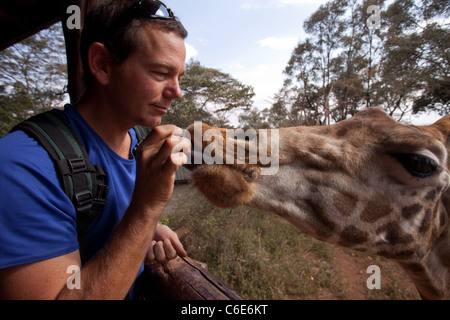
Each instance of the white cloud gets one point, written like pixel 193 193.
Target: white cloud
pixel 266 80
pixel 297 2
pixel 279 43
pixel 249 6
pixel 191 52
pixel 202 41
pixel 257 4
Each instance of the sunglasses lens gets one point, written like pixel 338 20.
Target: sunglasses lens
pixel 155 8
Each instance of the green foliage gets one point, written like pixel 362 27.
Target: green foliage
pixel 255 119
pixel 32 77
pixel 209 95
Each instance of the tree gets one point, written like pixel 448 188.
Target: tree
pixel 345 64
pixel 33 76
pixel 325 28
pixel 209 95
pixel 254 119
pixel 417 58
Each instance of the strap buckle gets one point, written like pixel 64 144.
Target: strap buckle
pixel 83 201
pixel 99 201
pixel 77 165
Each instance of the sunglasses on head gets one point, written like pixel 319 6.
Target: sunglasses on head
pixel 150 9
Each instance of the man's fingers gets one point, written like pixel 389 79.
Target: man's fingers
pixel 167 146
pixel 164 251
pixel 178 246
pixel 169 250
pixel 161 251
pixel 159 135
pixel 151 252
pixel 160 254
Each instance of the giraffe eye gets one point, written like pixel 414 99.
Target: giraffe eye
pixel 418 165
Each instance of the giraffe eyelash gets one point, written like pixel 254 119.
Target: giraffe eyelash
pixel 418 165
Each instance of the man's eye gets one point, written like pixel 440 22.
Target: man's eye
pixel 160 74
pixel 418 165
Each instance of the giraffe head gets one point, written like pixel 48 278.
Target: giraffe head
pixel 368 182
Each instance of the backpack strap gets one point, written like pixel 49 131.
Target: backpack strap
pixel 141 133
pixel 82 182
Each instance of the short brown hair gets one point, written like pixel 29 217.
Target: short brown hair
pixel 123 41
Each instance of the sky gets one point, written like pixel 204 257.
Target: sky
pixel 252 40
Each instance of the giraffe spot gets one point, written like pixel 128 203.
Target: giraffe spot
pixel 345 203
pixel 426 222
pixel 394 235
pixel 322 224
pixel 377 208
pixel 352 236
pixel 430 195
pixel 411 211
pixel 397 255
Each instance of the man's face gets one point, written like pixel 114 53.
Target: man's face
pixel 142 88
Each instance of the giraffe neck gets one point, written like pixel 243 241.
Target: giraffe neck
pixel 432 275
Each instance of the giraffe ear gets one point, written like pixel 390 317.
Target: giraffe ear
pixel 441 130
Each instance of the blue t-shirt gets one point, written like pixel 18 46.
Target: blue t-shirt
pixel 37 219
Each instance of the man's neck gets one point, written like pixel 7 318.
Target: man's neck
pixel 110 128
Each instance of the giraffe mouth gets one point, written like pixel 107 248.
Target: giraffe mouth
pixel 250 172
pixel 234 148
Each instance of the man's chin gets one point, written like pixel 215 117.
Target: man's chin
pixel 151 122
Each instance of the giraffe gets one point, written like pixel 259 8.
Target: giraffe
pixel 366 183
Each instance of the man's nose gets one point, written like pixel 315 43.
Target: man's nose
pixel 173 90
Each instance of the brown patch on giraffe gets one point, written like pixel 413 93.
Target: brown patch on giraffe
pixel 345 203
pixel 394 235
pixel 377 208
pixel 426 222
pixel 411 211
pixel 397 255
pixel 352 236
pixel 431 195
pixel 323 226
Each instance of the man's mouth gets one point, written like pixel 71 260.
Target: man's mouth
pixel 160 108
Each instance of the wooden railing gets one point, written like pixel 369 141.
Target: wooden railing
pixel 181 279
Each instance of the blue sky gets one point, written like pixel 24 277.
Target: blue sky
pixel 250 39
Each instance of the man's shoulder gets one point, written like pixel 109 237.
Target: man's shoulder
pixel 19 146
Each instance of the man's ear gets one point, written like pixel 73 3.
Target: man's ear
pixel 99 62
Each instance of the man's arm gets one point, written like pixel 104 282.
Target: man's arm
pixel 111 273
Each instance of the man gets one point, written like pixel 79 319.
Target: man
pixel 133 55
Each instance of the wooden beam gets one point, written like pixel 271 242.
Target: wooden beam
pixel 21 19
pixel 182 279
pixel 72 37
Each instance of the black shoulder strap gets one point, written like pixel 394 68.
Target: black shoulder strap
pixel 141 134
pixel 83 183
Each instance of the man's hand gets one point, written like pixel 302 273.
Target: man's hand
pixel 165 246
pixel 158 158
